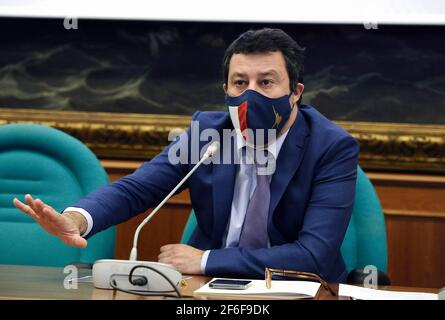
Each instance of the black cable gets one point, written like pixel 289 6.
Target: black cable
pixel 114 286
pixel 152 293
pixel 158 272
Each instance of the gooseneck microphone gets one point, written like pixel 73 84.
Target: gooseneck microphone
pixel 144 277
pixel 211 150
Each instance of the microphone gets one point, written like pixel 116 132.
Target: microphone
pixel 211 150
pixel 134 276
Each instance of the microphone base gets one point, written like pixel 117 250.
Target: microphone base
pixel 111 271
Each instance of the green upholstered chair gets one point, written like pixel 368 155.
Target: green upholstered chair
pixel 365 239
pixel 57 168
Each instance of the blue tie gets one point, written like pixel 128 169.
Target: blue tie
pixel 254 231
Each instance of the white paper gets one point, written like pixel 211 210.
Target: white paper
pixel 361 293
pixel 279 289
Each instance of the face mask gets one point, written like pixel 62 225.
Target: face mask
pixel 257 118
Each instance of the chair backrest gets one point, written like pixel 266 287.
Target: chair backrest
pixel 57 168
pixel 365 239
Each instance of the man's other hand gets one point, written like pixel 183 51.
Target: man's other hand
pixel 184 258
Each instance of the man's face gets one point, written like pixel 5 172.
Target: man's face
pixel 265 73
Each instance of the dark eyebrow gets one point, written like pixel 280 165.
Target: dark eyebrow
pixel 270 72
pixel 238 74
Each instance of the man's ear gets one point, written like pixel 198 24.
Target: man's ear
pixel 297 93
pixel 225 88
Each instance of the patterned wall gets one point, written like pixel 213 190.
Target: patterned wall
pixel 388 74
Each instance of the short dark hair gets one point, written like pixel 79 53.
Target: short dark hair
pixel 268 40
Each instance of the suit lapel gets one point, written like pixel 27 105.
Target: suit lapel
pixel 288 161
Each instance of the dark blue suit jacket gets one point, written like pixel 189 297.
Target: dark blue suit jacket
pixel 312 194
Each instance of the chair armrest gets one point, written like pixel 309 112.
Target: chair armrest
pixel 357 276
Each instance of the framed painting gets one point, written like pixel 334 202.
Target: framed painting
pixel 121 86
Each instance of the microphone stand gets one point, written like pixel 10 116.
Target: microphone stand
pixel 152 276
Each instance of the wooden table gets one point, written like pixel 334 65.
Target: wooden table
pixel 27 282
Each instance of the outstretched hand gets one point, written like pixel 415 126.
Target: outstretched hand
pixel 51 221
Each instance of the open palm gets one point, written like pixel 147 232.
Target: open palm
pixel 51 221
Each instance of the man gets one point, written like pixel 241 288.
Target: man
pixel 293 217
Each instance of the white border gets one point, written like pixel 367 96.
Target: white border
pixel 278 11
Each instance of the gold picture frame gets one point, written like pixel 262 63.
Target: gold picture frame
pixel 384 146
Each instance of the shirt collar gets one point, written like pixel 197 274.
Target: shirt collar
pixel 273 149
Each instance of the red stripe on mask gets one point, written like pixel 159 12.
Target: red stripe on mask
pixel 242 116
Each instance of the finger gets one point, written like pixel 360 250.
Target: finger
pixel 41 206
pixel 24 208
pixel 30 201
pixel 28 197
pixel 165 260
pixel 164 254
pixel 75 241
pixel 52 215
pixel 44 212
pixel 167 247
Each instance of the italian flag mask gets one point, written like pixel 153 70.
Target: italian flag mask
pixel 257 118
